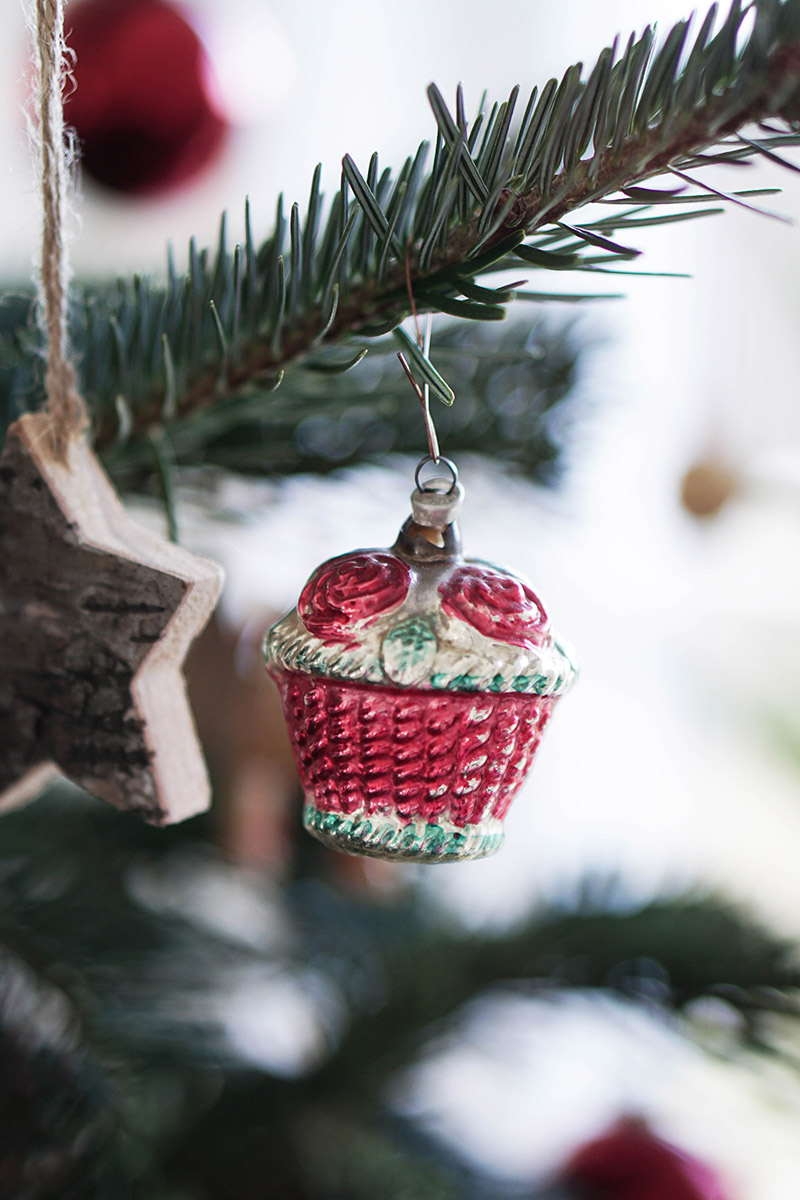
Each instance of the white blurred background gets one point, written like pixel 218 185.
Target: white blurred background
pixel 677 759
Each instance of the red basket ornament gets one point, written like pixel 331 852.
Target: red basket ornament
pixel 416 686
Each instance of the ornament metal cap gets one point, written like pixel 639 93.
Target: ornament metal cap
pixel 437 503
pixel 431 532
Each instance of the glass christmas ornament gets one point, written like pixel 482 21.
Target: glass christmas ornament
pixel 416 685
pixel 630 1163
pixel 145 105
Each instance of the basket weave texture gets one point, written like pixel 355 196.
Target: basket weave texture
pixel 460 756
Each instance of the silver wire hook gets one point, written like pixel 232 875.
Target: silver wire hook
pixel 424 395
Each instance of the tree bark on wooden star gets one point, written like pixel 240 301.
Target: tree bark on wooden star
pixel 96 617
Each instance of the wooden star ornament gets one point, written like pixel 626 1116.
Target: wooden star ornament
pixel 96 617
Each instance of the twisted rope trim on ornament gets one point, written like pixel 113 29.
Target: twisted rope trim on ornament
pixel 381 836
pixel 476 665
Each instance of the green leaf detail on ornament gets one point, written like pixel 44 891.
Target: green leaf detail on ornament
pixel 331 822
pixel 407 653
pixel 531 683
pixel 410 840
pixel 465 683
pixel 435 839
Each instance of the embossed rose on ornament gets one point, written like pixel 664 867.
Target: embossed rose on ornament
pixel 497 605
pixel 350 590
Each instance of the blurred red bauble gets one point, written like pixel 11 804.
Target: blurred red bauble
pixel 143 105
pixel 630 1163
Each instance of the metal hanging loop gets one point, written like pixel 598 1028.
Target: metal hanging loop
pixel 438 461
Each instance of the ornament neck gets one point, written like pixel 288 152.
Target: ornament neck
pixel 417 542
pixel 431 532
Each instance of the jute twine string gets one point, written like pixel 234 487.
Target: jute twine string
pixel 67 411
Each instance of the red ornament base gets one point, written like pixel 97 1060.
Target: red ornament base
pixel 410 774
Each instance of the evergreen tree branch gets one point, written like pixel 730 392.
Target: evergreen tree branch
pixel 516 403
pixel 117 917
pixel 496 195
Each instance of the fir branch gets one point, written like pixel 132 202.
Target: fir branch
pixel 112 913
pixel 109 930
pixel 665 954
pixel 494 194
pixel 516 403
